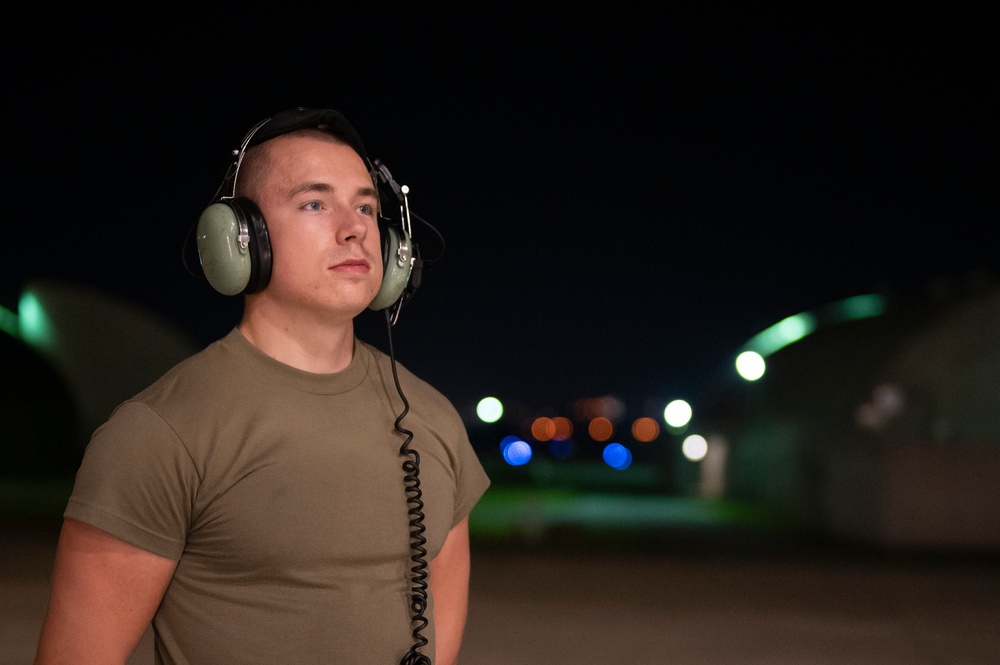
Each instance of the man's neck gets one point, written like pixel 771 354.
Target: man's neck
pixel 314 346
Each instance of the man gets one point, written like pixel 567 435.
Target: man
pixel 255 503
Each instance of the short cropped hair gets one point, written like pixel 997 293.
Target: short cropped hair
pixel 256 164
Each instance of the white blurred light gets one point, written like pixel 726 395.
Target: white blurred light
pixel 750 365
pixel 694 447
pixel 489 409
pixel 887 402
pixel 677 413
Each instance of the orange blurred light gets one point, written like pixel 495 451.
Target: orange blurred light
pixel 543 429
pixel 645 429
pixel 600 429
pixel 563 428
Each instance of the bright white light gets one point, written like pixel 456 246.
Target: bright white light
pixel 677 413
pixel 489 409
pixel 694 447
pixel 750 365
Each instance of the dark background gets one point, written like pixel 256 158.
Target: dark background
pixel 626 195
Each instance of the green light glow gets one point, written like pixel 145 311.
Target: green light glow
pixel 794 328
pixel 859 307
pixel 782 333
pixel 8 322
pixel 36 328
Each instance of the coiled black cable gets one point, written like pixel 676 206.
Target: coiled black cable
pixel 411 467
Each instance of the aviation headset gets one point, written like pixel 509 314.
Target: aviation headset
pixel 232 238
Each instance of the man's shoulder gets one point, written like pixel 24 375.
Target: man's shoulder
pixel 202 371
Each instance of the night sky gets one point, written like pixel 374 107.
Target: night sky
pixel 626 196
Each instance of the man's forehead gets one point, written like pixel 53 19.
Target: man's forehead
pixel 324 187
pixel 294 152
pixel 296 167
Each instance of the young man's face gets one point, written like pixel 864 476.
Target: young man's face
pixel 321 210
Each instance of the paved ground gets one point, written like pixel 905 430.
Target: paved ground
pixel 690 596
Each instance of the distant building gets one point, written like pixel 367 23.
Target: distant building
pixel 884 429
pixel 71 354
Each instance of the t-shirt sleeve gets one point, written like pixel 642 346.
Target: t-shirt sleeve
pixel 137 482
pixel 472 481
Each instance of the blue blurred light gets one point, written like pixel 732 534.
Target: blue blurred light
pixel 506 441
pixel 516 452
pixel 617 456
pixel 561 448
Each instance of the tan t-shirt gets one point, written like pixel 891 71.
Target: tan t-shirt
pixel 281 495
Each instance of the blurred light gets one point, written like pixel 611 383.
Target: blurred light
pixel 860 307
pixel 516 452
pixel 588 408
pixel 489 409
pixel 507 440
pixel 8 322
pixel 36 329
pixel 694 447
pixel 750 365
pixel 887 402
pixel 645 429
pixel 543 429
pixel 677 413
pixel 561 448
pixel 712 468
pixel 600 429
pixel 617 456
pixel 782 333
pixel 564 428
pixel 889 398
pixel 794 328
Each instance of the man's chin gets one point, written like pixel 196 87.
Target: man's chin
pixel 356 303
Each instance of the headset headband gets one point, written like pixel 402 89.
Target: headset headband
pixel 289 121
pixel 286 122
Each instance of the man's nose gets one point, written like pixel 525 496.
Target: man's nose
pixel 352 226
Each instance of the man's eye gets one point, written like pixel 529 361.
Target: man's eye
pixel 313 205
pixel 366 209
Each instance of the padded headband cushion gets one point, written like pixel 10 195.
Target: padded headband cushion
pixel 302 118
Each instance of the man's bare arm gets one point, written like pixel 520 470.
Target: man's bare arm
pixel 104 594
pixel 449 583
